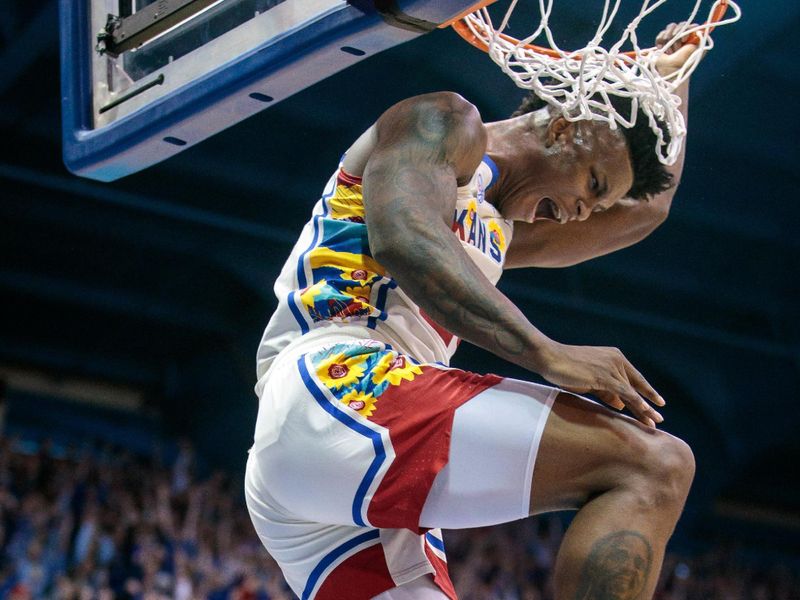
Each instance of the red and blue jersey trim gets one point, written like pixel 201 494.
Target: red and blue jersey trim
pixel 493 168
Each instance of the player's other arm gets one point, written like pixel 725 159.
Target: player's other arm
pixel 425 147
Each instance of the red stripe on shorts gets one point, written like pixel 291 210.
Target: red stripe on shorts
pixel 362 576
pixel 419 417
pixel 442 575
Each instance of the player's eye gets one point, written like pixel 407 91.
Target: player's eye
pixel 594 183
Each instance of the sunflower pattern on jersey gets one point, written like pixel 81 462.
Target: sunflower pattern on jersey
pixel 347 202
pixel 357 374
pixel 345 278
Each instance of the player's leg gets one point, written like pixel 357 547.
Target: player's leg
pixel 615 471
pixel 629 484
pixel 511 455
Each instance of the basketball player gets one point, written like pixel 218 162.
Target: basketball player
pixel 366 443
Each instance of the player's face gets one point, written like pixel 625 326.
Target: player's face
pixel 584 168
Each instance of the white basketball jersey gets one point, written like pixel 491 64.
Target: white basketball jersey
pixel 331 279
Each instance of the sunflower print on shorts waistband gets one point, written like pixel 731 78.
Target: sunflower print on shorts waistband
pixel 357 374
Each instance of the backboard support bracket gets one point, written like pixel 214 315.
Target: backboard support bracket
pixel 392 15
pixel 126 33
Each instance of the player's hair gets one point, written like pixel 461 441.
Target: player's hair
pixel 650 176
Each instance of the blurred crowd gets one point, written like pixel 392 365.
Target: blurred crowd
pixel 102 525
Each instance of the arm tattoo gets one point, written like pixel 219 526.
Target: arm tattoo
pixel 433 127
pixel 460 298
pixel 617 567
pixel 412 181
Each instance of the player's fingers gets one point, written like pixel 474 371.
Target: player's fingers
pixel 611 400
pixel 641 385
pixel 638 407
pixel 665 35
pixel 681 55
pixel 676 45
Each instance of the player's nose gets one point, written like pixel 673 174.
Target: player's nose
pixel 582 211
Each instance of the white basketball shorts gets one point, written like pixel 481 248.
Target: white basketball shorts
pixel 361 454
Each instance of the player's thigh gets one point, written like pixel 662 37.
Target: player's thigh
pixel 519 448
pixel 492 449
pixel 587 448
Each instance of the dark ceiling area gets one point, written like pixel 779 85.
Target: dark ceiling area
pixel 163 280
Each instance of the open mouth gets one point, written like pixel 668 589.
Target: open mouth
pixel 547 209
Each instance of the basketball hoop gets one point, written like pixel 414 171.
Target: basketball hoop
pixel 581 82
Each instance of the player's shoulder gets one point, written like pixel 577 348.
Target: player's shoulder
pixel 444 101
pixel 442 120
pixel 447 107
pixel 445 119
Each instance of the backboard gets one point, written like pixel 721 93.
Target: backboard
pixel 144 79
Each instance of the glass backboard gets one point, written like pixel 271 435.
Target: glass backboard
pixel 144 79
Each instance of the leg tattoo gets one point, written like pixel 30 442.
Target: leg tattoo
pixel 617 568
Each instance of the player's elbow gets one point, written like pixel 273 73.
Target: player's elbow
pixel 431 112
pixel 387 247
pixel 453 121
pixel 381 251
pixel 659 209
pixel 405 250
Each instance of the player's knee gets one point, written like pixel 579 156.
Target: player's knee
pixel 668 471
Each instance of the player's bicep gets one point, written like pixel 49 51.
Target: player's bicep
pixel 424 146
pixel 402 190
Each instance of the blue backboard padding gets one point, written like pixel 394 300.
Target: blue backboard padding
pixel 221 98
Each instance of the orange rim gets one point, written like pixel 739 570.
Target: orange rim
pixel 459 23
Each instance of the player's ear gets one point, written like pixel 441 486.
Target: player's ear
pixel 558 129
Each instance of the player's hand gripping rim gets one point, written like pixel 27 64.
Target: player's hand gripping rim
pixel 677 53
pixel 605 373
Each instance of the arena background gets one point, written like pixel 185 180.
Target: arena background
pixel 131 311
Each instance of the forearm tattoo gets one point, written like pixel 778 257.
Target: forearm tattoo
pixel 416 185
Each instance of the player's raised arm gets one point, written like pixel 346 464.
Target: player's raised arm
pixel 425 147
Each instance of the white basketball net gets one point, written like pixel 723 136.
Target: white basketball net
pixel 581 82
